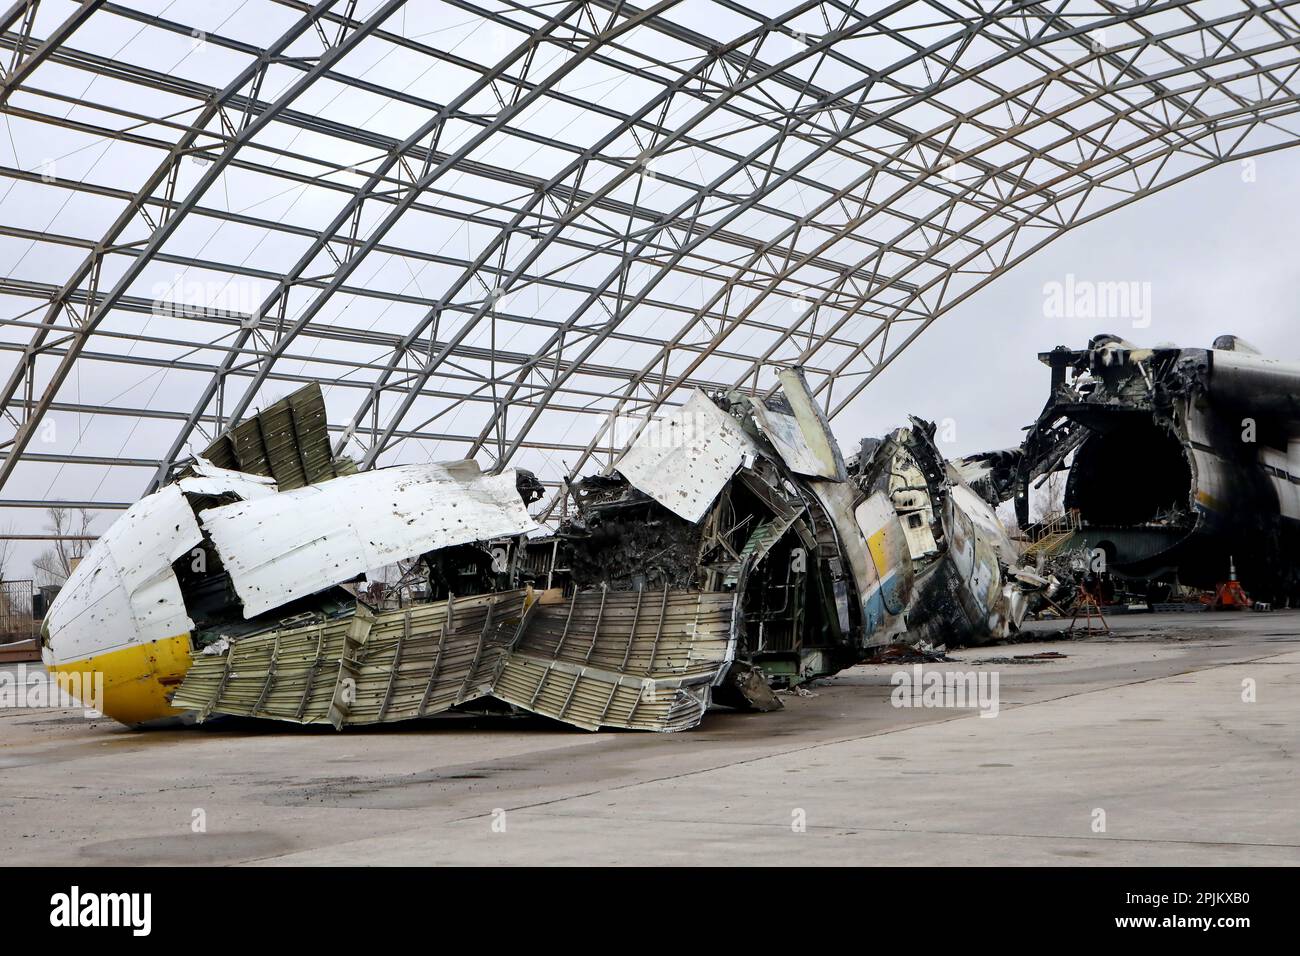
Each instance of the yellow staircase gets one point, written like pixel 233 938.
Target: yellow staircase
pixel 1051 534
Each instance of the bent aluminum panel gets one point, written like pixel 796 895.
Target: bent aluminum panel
pixel 683 462
pixel 298 542
pixel 802 436
pixel 208 479
pixel 814 425
pixel 642 660
pixel 362 669
pixel 124 591
pixel 873 542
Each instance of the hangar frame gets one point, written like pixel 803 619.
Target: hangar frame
pixel 519 231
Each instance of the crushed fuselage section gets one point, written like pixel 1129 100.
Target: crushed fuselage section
pixel 1178 460
pixel 731 551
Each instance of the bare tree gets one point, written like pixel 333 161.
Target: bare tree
pixel 6 550
pixel 1054 493
pixel 1047 496
pixel 71 540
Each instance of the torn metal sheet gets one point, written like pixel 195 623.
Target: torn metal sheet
pixel 299 542
pixel 124 591
pixel 783 431
pixel 363 668
pixel 287 441
pixel 985 519
pixel 685 461
pixel 798 430
pixel 643 660
pixel 206 479
pixel 981 594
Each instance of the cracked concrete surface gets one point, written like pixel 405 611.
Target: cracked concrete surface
pixel 1148 726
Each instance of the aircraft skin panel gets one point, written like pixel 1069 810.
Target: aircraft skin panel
pixel 298 542
pixel 882 620
pixel 802 437
pixel 685 461
pixel 124 591
pixel 890 555
pixel 1262 385
pixel 137 680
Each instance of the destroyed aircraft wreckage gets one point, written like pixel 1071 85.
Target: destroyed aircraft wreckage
pixel 733 550
pixel 1179 461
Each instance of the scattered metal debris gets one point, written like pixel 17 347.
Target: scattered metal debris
pixel 909 654
pixel 830 561
pixel 731 552
pixel 1177 460
pixel 1022 658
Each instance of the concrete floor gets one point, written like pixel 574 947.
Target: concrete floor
pixel 1148 726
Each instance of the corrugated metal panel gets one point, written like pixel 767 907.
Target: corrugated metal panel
pixel 400 664
pixel 288 441
pixel 640 660
pixel 590 698
pixel 299 542
pixel 683 462
pixel 287 675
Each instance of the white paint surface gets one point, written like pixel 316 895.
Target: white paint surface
pixel 298 542
pixel 124 592
pixel 208 479
pixel 685 460
pixel 786 436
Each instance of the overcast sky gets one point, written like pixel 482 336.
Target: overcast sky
pixel 1220 254
pixel 1217 251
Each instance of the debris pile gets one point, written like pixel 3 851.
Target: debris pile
pixel 1177 459
pixel 732 552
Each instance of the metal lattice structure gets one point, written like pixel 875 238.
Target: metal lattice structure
pixel 515 232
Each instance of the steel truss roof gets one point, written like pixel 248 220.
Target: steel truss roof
pixel 515 231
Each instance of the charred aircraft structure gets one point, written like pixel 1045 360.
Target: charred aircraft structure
pixel 733 550
pixel 829 559
pixel 1179 461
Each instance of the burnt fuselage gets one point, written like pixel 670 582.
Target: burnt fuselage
pixel 1179 465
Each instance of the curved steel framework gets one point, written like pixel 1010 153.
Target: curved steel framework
pixel 517 231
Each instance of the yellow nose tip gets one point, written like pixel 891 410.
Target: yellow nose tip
pixel 138 681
